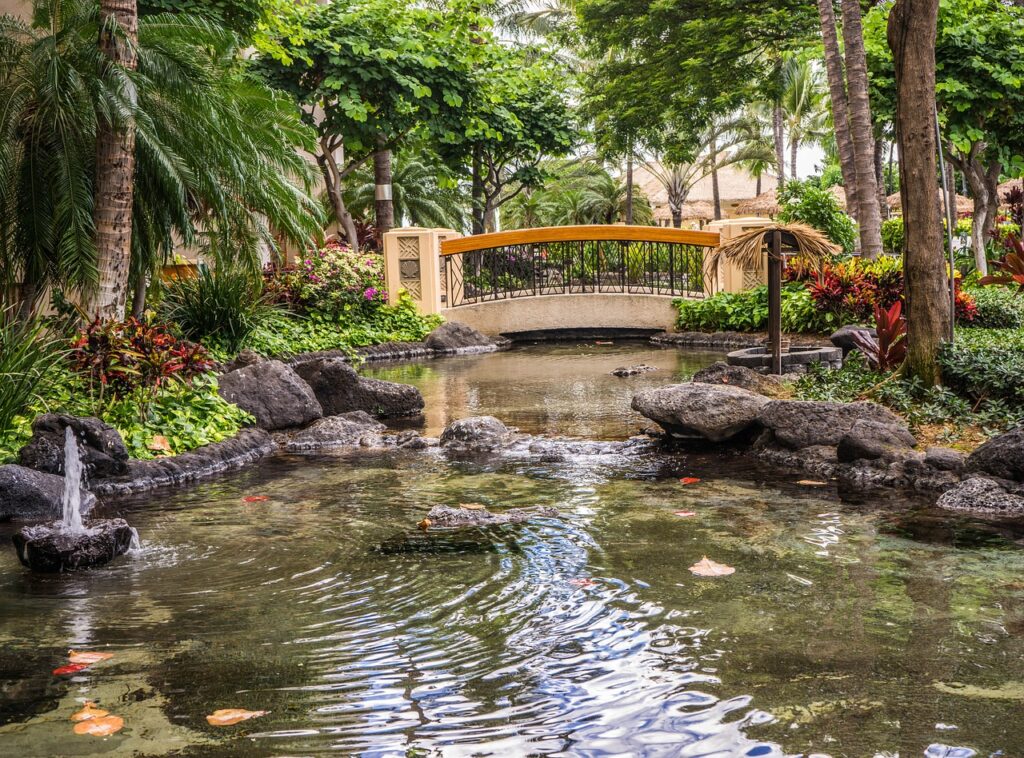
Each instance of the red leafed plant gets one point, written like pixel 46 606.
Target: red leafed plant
pixel 1011 267
pixel 888 351
pixel 121 356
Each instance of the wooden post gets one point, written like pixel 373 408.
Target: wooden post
pixel 775 302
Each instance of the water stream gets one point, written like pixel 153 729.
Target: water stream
pixel 71 521
pixel 853 626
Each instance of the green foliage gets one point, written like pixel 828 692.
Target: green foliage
pixel 986 364
pixel 998 308
pixel 224 306
pixel 240 16
pixel 817 207
pixel 748 312
pixel 333 280
pixel 27 355
pixel 893 235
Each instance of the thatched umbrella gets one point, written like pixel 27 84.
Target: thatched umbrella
pixel 767 204
pixel 964 204
pixel 812 249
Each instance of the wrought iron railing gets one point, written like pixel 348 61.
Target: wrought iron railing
pixel 575 260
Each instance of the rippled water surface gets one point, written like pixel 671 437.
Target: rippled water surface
pixel 850 627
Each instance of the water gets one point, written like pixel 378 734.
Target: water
pixel 852 626
pixel 72 499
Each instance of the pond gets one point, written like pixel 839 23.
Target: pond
pixel 851 626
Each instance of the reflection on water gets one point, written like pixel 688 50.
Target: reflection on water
pixel 845 631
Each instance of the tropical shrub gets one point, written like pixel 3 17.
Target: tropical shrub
pixel 888 349
pixel 986 364
pixel 223 306
pixel 997 308
pixel 1011 267
pixel 27 357
pixel 333 280
pixel 748 311
pixel 893 235
pixel 817 207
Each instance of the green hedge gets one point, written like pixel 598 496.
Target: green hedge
pixel 986 364
pixel 748 312
pixel 998 308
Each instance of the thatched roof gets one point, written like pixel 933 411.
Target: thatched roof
pixel 1007 186
pixel 964 204
pixel 766 204
pixel 813 247
pixel 700 209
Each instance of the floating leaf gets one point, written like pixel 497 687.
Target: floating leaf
pixel 101 726
pixel 88 712
pixel 582 582
pixel 255 498
pixel 425 524
pixel 471 506
pixel 160 444
pixel 707 567
pixel 229 716
pixel 604 342
pixel 685 514
pixel 689 480
pixel 88 658
pixel 812 483
pixel 71 668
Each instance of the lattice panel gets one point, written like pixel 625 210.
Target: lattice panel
pixel 751 278
pixel 408 248
pixel 409 273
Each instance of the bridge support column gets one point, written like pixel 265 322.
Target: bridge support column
pixel 412 262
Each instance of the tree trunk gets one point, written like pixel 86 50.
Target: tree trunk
pixel 716 195
pixel 115 169
pixel 780 149
pixel 477 192
pixel 868 216
pixel 677 215
pixel 332 180
pixel 883 204
pixel 383 205
pixel 840 105
pixel 983 182
pixel 139 299
pixel 757 188
pixel 911 35
pixel 629 188
pixel 794 146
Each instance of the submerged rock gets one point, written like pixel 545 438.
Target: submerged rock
pixel 983 495
pixel 456 337
pixel 48 548
pixel 805 423
pixel 354 429
pixel 476 434
pixel 1002 456
pixel 739 376
pixel 446 517
pixel 273 393
pixel 30 495
pixel 640 368
pixel 339 389
pixel 100 446
pixel 701 411
pixel 871 440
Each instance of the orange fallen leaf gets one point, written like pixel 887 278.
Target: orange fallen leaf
pixel 229 716
pixel 89 712
pixel 71 668
pixel 707 567
pixel 471 506
pixel 812 483
pixel 255 498
pixel 101 726
pixel 160 444
pixel 582 582
pixel 689 480
pixel 603 342
pixel 425 524
pixel 685 514
pixel 88 658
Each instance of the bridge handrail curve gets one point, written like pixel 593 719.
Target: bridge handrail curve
pixel 584 233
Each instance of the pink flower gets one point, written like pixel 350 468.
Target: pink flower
pixel 370 293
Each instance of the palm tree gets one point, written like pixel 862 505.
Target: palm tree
pixel 838 101
pixel 803 107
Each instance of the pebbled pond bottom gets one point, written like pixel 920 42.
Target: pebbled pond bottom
pixel 851 627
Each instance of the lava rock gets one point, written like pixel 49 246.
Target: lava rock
pixel 100 447
pixel 244 359
pixel 48 548
pixel 871 440
pixel 845 336
pixel 640 368
pixel 30 495
pixel 354 429
pixel 945 459
pixel 446 517
pixel 273 393
pixel 456 337
pixel 476 434
pixel 1001 457
pixel 701 411
pixel 339 389
pixel 803 423
pixel 983 496
pixel 739 376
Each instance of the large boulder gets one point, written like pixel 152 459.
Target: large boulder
pixel 47 547
pixel 354 429
pixel 339 389
pixel 739 376
pixel 476 434
pixel 273 393
pixel 871 440
pixel 100 447
pixel 30 495
pixel 455 337
pixel 1001 456
pixel 846 337
pixel 698 411
pixel 803 423
pixel 983 496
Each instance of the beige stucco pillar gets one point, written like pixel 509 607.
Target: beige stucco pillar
pixel 412 263
pixel 730 277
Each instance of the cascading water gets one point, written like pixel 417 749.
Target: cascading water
pixel 72 500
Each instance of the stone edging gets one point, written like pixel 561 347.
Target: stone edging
pixel 727 340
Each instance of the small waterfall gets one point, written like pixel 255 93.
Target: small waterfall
pixel 136 547
pixel 72 519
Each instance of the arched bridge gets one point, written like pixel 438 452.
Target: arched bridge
pixel 572 277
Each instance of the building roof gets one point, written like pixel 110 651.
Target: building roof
pixel 734 184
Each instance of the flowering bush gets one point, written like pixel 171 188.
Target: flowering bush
pixel 333 280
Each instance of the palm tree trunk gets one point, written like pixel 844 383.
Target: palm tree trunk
pixel 911 36
pixel 883 204
pixel 716 196
pixel 383 205
pixel 477 192
pixel 794 145
pixel 139 299
pixel 840 105
pixel 629 187
pixel 115 170
pixel 868 216
pixel 780 150
pixel 757 189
